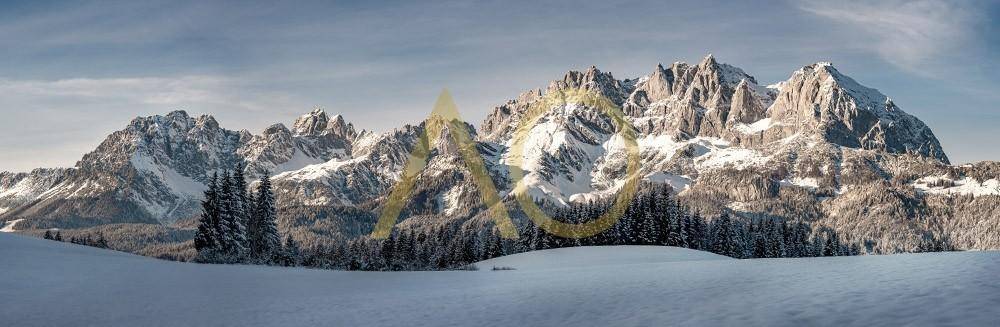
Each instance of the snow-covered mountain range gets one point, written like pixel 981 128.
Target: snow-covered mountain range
pixel 817 146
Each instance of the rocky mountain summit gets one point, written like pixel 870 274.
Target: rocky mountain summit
pixel 818 146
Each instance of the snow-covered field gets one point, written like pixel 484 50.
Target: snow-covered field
pixel 45 283
pixel 597 256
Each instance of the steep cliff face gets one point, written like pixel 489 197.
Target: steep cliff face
pixel 373 166
pixel 747 106
pixel 691 101
pixel 315 138
pixel 819 99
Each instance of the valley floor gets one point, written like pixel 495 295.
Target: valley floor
pixel 46 283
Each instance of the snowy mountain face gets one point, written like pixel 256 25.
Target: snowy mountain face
pixel 19 189
pixel 816 146
pixel 704 119
pixel 819 99
pixel 156 168
pixel 314 139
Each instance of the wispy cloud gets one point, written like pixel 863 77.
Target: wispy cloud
pixel 209 92
pixel 907 34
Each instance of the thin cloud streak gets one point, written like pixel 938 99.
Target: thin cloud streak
pixel 911 35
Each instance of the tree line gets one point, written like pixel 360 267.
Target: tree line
pixel 654 217
pixel 237 225
pixel 99 242
pixel 240 226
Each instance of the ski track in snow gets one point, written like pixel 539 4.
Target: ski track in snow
pixel 48 283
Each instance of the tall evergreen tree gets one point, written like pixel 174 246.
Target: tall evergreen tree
pixel 291 254
pixel 207 239
pixel 231 215
pixel 776 240
pixel 263 229
pixel 697 232
pixel 818 244
pixel 726 239
pixel 101 242
pixel 832 246
pixel 242 195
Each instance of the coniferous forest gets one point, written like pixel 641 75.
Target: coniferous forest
pixel 238 224
pixel 654 217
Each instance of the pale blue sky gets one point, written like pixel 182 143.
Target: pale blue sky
pixel 74 72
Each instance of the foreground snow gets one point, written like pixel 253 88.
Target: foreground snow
pixel 597 256
pixel 49 283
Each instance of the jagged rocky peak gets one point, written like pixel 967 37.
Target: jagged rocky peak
pixel 206 122
pixel 710 84
pixel 530 95
pixel 175 126
pixel 688 101
pixel 499 121
pixel 177 119
pixel 318 123
pixel 593 79
pixel 657 86
pixel 340 128
pixel 746 106
pixel 313 123
pixel 819 99
pixel 276 129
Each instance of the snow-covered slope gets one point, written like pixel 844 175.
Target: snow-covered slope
pixel 46 283
pixel 155 169
pixel 597 256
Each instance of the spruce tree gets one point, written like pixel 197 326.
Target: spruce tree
pixel 207 239
pixel 648 229
pixel 233 232
pixel 818 244
pixel 102 242
pixel 726 239
pixel 675 227
pixel 58 236
pixel 697 232
pixel 243 197
pixel 832 246
pixel 759 239
pixel 263 229
pixel 291 252
pixel 48 235
pixel 776 240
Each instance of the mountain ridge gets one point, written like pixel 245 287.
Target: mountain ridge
pixel 709 130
